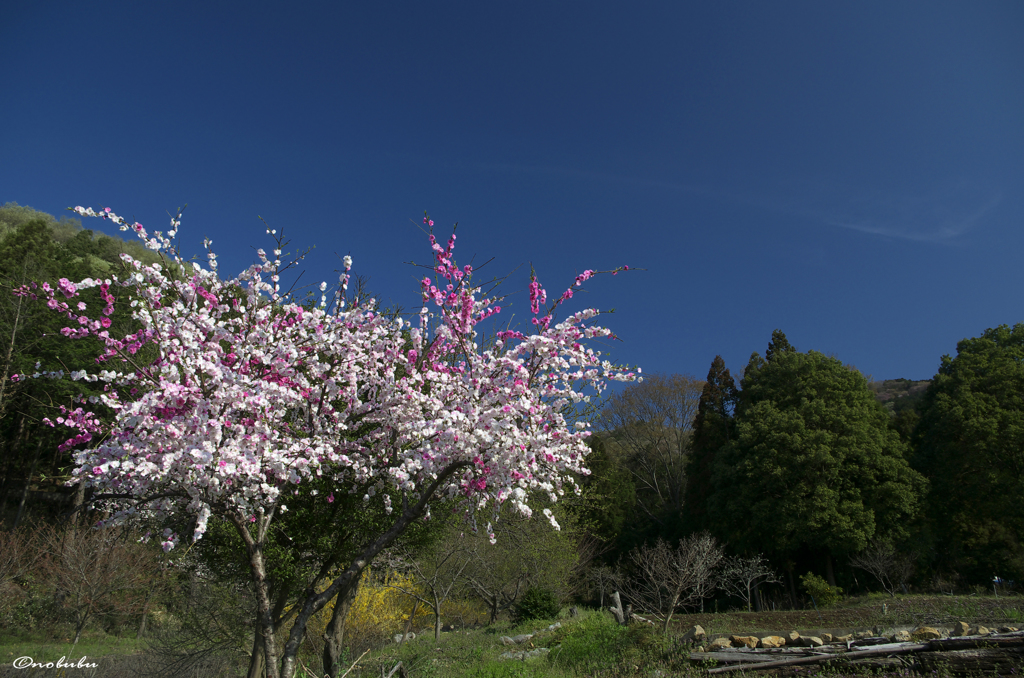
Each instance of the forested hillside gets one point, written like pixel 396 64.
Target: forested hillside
pixel 36 248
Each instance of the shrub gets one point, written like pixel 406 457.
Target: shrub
pixel 593 644
pixel 537 603
pixel 820 591
pixel 378 611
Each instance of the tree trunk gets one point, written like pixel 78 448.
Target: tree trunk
pixel 621 615
pixel 334 635
pixel 145 614
pixel 265 614
pixel 830 574
pixel 28 483
pixel 408 624
pixel 257 665
pixel 5 376
pixel 77 510
pixel 792 585
pixel 437 619
pixel 314 602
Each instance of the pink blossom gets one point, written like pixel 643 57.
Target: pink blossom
pixel 241 406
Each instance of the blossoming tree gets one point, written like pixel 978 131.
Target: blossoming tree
pixel 251 394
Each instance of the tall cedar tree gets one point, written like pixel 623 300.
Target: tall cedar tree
pixel 970 443
pixel 712 430
pixel 814 468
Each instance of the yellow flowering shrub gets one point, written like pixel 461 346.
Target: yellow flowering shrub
pixel 381 611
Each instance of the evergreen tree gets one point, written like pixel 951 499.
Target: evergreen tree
pixel 815 468
pixel 712 430
pixel 778 344
pixel 970 442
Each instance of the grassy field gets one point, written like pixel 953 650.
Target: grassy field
pixel 588 645
pixel 593 645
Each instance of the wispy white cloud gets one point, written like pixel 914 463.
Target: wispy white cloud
pixel 940 215
pixel 936 219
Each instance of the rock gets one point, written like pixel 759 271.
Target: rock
pixel 826 637
pixel 749 641
pixel 901 637
pixel 720 644
pixel 574 611
pixel 812 641
pixel 842 639
pixel 792 637
pixel 925 633
pixel 528 654
pixel 861 635
pixel 505 640
pixel 694 635
pixel 556 625
pixel 772 641
pixel 981 631
pixel 1008 629
pixel 960 629
pixel 409 636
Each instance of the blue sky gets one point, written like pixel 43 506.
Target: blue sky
pixel 852 173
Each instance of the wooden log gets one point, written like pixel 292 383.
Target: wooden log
pixel 949 644
pixel 880 651
pixel 994 661
pixel 727 657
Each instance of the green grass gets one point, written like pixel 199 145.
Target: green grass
pixel 96 656
pixel 13 647
pixel 591 645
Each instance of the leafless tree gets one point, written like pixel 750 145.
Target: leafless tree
pixel 438 570
pixel 605 579
pixel 667 579
pixel 652 423
pixel 527 553
pixel 889 566
pixel 741 576
pixel 97 571
pixel 19 552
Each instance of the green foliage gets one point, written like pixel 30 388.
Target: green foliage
pixel 595 643
pixel 819 589
pixel 528 552
pixel 537 603
pixel 36 248
pixel 814 465
pixel 970 442
pixel 609 493
pixel 713 428
pixel 650 428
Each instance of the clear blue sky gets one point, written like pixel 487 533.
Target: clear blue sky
pixel 849 172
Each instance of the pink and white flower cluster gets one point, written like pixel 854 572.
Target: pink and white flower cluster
pixel 245 395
